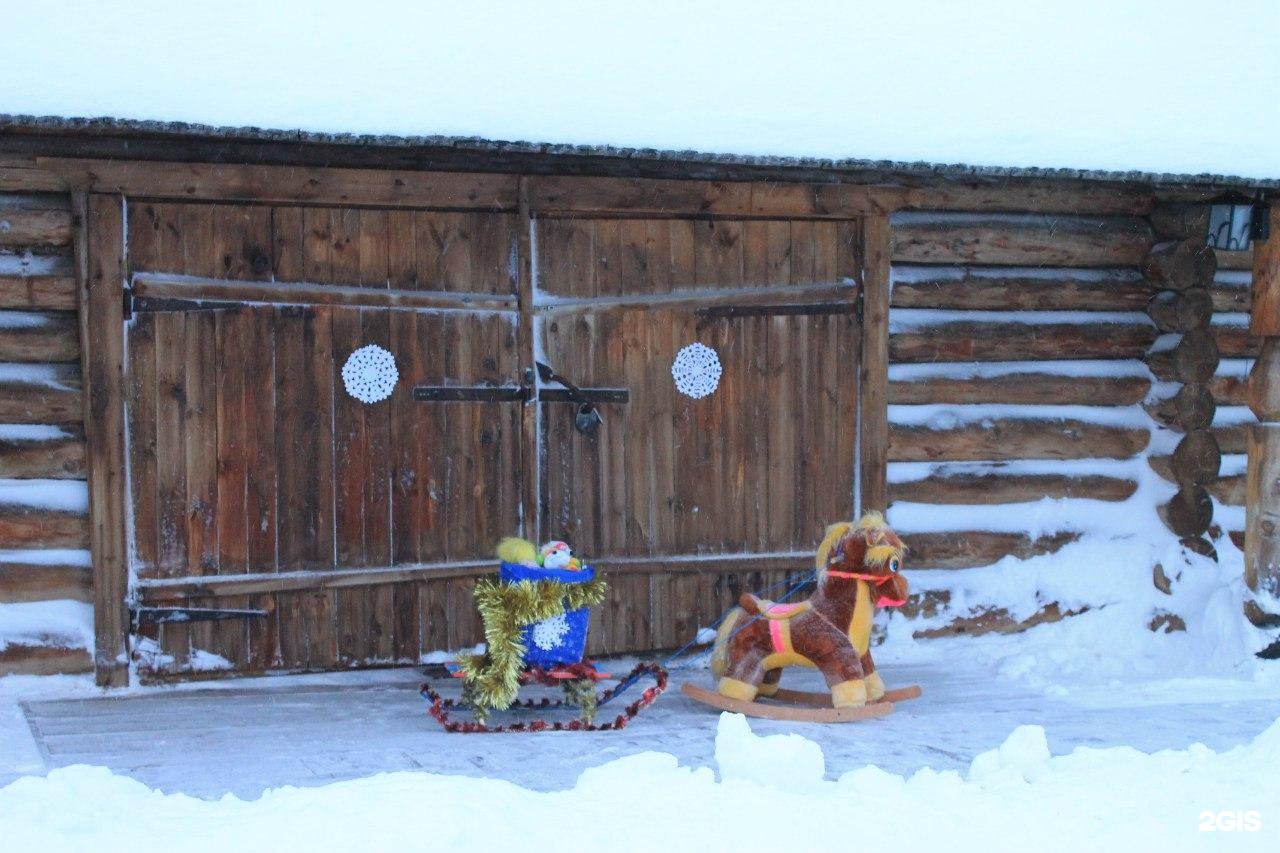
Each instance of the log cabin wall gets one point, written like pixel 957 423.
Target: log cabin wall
pixel 45 579
pixel 1017 337
pixel 1237 350
pixel 1016 373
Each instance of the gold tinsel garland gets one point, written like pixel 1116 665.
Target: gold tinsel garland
pixel 491 680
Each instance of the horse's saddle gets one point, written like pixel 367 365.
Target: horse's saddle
pixel 757 606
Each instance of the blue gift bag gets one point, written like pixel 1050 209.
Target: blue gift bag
pixel 560 639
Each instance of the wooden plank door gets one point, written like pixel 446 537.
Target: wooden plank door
pixel 688 500
pixel 259 483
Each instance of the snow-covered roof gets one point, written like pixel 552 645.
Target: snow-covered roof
pixel 1168 90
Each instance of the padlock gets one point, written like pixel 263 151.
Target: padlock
pixel 587 419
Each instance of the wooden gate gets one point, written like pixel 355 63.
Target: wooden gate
pixel 337 533
pixel 686 500
pixel 248 456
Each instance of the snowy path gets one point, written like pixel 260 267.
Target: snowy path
pixel 245 737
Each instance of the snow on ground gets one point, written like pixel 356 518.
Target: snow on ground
pixel 741 790
pixel 1097 84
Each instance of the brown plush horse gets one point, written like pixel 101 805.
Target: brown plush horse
pixel 857 571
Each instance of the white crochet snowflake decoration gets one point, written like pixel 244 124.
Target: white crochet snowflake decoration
pixel 696 371
pixel 370 374
pixel 549 633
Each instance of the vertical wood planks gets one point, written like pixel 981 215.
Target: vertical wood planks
pixel 102 265
pixel 874 396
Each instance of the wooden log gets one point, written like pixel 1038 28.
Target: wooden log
pixel 1191 408
pixel 1229 390
pixel 1004 439
pixel 21 582
pixel 49 396
pixel 1000 289
pixel 1228 490
pixel 873 441
pixel 1236 341
pixel 1181 311
pixel 1180 265
pixel 23 526
pixel 1232 438
pixel 37 293
pixel 26 224
pixel 24 659
pixel 287 184
pixel 1189 512
pixel 965 549
pixel 1031 196
pixel 1001 488
pixel 60 458
pixel 1196 459
pixel 1183 221
pixel 1029 388
pixel 19 174
pixel 43 337
pixel 1230 296
pixel 997 620
pixel 27 292
pixel 645 196
pixel 1020 240
pixel 997 341
pixel 1194 358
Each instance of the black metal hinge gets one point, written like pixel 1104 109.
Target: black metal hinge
pixel 163 615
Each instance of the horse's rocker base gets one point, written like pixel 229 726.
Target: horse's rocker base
pixel 801 713
pixel 823 699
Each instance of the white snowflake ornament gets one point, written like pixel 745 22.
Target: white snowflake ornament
pixel 370 374
pixel 549 633
pixel 696 371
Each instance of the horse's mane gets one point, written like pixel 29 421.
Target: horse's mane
pixel 883 544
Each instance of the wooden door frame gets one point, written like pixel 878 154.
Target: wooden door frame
pixel 102 270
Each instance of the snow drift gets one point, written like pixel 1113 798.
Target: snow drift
pixel 770 794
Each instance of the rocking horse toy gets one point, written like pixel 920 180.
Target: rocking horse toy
pixel 858 570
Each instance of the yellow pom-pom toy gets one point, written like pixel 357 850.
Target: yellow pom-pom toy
pixel 522 552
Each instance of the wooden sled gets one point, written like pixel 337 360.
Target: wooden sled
pixel 796 713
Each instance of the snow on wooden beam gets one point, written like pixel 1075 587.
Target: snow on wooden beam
pixel 34 220
pixel 30 281
pixel 52 659
pixel 1001 488
pixel 40 394
pixel 963 549
pixel 31 336
pixel 39 451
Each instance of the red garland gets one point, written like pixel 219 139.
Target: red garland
pixel 439 708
